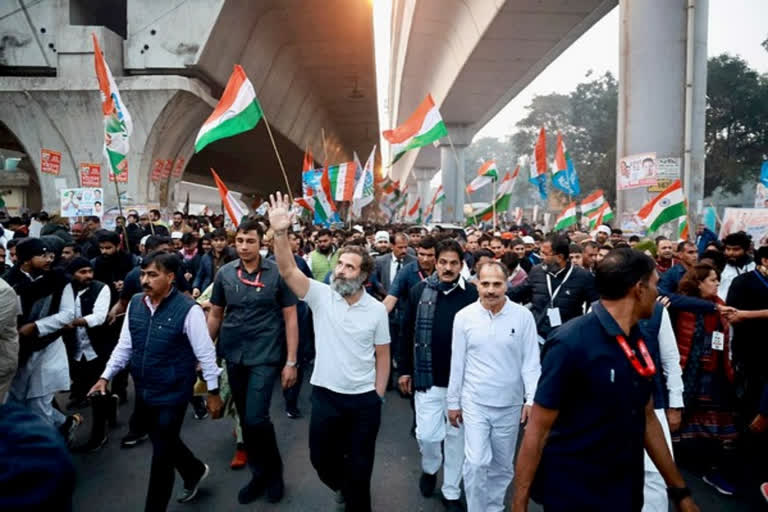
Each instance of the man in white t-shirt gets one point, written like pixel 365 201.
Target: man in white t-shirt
pixel 351 364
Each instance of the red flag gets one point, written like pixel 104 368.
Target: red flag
pixel 309 161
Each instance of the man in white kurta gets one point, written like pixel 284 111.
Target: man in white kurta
pixel 494 370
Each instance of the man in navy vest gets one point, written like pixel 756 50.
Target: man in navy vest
pixel 163 339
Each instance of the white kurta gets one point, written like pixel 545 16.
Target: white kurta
pixel 47 370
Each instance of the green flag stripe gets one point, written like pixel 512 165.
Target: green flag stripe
pixel 437 131
pixel 671 213
pixel 242 122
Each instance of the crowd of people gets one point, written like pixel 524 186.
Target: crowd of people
pixel 614 352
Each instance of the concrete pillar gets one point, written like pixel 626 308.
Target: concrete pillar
pixel 452 165
pixel 652 90
pixel 423 176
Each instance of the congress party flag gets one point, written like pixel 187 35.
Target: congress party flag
pixel 485 175
pixel 424 127
pixel 342 180
pixel 564 175
pixel 118 124
pixel 238 111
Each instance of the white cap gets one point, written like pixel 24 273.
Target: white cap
pixel 358 228
pixel 144 239
pixel 604 229
pixel 528 240
pixel 381 236
pixel 177 234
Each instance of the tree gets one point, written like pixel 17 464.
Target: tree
pixel 737 123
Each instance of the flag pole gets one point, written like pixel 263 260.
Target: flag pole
pixel 493 199
pixel 120 211
pixel 458 166
pixel 279 160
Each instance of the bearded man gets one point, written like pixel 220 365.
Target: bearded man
pixel 351 365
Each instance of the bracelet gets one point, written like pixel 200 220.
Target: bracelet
pixel 281 232
pixel 291 364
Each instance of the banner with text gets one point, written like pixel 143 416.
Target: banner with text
pixel 76 202
pixel 635 171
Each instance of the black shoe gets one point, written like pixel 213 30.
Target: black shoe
pixel 293 412
pixel 275 489
pixel 132 439
pixel 452 505
pixel 93 445
pixel 251 492
pixel 427 484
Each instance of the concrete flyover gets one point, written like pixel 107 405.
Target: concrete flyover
pixel 473 56
pixel 311 64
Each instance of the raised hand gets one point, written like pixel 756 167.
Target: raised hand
pixel 279 212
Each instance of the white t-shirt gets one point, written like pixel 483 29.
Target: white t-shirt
pixel 345 336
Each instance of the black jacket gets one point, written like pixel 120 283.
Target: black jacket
pixel 574 297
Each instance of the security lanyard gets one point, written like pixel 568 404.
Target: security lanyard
pixel 646 371
pixel 552 296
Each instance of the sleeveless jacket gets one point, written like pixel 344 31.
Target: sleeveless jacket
pixel 162 360
pixel 321 264
pixel 102 337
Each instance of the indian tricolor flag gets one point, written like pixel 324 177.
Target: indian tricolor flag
pixel 342 178
pixel 505 187
pixel 566 218
pixel 487 173
pixel 666 207
pixel 600 216
pixel 324 205
pixel 235 210
pixel 238 111
pixel 424 127
pixel 592 202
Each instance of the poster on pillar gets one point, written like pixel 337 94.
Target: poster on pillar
pixel 636 171
pixel 668 171
pixel 50 161
pixel 90 174
pixel 77 202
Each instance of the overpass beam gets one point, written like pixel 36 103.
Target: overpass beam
pixel 662 90
pixel 452 164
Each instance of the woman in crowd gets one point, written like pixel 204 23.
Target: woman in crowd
pixel 708 432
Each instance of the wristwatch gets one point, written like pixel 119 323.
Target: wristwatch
pixel 678 494
pixel 290 364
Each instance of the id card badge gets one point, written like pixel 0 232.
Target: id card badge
pixel 718 340
pixel 554 317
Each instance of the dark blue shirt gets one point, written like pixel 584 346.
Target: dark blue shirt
pixel 408 277
pixel 594 456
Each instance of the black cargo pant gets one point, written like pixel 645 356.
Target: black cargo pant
pixel 342 443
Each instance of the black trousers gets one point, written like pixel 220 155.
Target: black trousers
pixel 84 375
pixel 252 393
pixel 342 443
pixel 168 452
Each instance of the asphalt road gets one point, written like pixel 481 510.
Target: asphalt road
pixel 115 480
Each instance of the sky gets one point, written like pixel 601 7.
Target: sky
pixel 735 26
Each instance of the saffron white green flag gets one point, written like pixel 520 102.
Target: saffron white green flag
pixel 669 205
pixel 566 218
pixel 592 202
pixel 238 111
pixel 117 121
pixel 424 127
